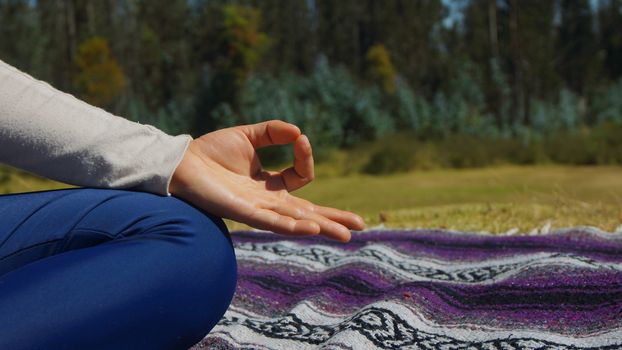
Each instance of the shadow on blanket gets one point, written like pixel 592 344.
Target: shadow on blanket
pixel 425 289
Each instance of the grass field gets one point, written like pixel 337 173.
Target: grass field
pixel 494 199
pixel 497 199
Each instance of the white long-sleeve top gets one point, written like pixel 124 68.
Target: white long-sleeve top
pixel 55 135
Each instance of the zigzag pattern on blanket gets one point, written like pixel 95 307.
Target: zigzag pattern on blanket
pixel 425 289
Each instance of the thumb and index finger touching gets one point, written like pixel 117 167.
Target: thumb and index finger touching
pixel 278 132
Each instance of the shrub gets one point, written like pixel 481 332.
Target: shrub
pixel 98 77
pixel 412 112
pixel 380 69
pixel 606 143
pixel 461 151
pixel 329 106
pixel 606 104
pixel 390 158
pixel 172 118
pixel 515 151
pixel 571 147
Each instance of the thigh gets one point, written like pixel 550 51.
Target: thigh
pixel 110 269
pixel 35 225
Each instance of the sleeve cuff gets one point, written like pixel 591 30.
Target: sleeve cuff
pixel 180 157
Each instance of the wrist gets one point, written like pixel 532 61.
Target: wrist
pixel 182 176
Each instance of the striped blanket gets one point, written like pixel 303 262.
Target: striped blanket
pixel 425 289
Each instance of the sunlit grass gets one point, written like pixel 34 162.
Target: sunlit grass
pixel 496 199
pixel 14 180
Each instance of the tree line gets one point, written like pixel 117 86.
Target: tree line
pixel 347 71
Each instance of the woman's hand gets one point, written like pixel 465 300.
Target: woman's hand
pixel 221 174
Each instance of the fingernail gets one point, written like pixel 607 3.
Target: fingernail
pixel 347 238
pixel 362 223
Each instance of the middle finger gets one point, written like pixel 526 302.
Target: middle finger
pixel 346 218
pixel 328 227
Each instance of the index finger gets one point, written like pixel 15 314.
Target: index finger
pixel 301 173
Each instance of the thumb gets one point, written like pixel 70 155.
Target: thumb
pixel 271 132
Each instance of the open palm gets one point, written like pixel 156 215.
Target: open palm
pixel 222 174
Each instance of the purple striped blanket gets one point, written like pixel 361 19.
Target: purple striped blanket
pixel 425 289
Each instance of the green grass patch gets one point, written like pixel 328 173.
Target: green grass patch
pixel 494 199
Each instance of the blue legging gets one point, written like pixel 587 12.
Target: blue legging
pixel 88 268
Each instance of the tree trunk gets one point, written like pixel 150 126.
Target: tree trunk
pixel 492 28
pixel 520 113
pixel 70 29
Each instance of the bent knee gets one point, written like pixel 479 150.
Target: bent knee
pixel 202 244
pixel 214 280
pixel 206 268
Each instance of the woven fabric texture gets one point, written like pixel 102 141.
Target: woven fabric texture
pixel 424 289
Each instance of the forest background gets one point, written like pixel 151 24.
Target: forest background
pixel 494 115
pixel 409 84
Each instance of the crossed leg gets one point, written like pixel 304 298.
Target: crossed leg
pixel 88 268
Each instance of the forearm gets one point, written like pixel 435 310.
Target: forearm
pixel 53 134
